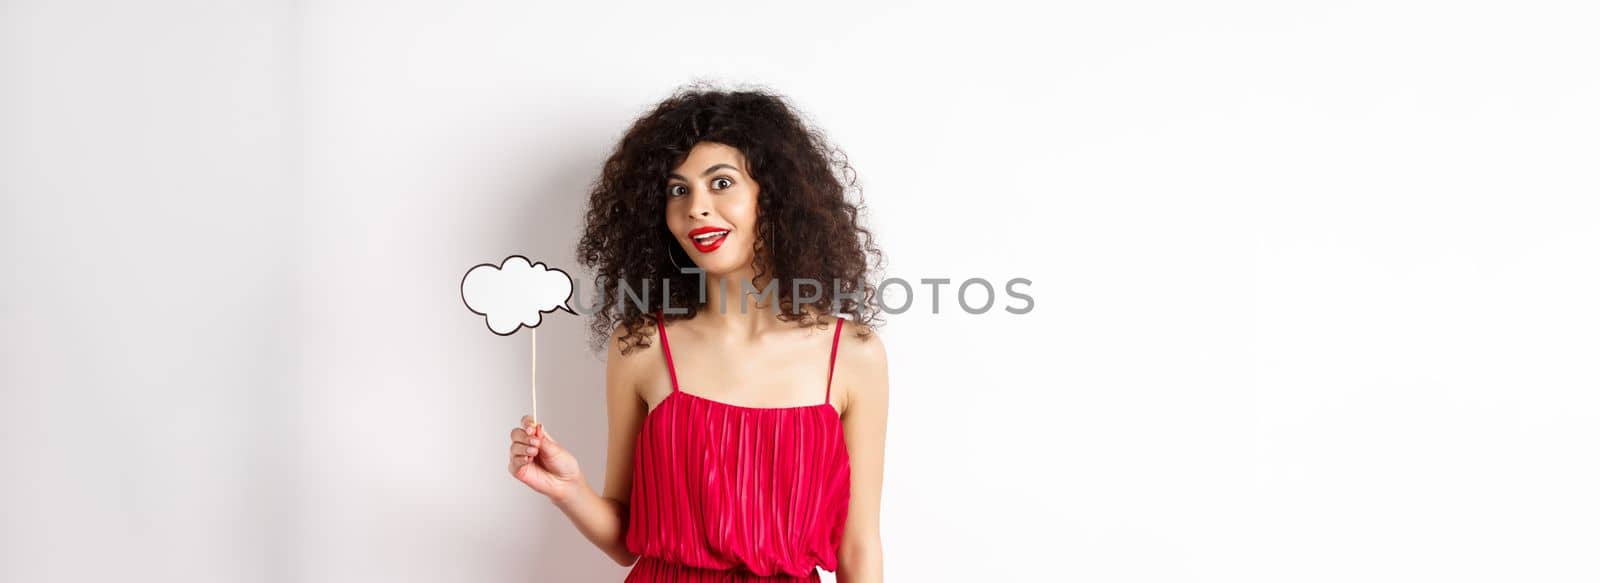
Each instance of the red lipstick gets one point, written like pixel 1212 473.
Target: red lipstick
pixel 708 239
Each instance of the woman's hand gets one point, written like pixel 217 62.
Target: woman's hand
pixel 541 463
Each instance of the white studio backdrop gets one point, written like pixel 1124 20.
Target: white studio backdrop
pixel 1313 285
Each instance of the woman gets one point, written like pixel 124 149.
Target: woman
pixel 746 438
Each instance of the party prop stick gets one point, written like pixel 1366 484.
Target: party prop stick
pixel 533 370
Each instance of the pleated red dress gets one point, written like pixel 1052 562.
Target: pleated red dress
pixel 728 493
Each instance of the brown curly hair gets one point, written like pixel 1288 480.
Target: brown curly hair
pixel 806 225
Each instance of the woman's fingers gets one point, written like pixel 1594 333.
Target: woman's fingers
pixel 519 434
pixel 526 437
pixel 528 449
pixel 517 462
pixel 530 436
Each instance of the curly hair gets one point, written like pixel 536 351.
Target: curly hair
pixel 806 225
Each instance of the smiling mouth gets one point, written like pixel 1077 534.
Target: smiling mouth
pixel 708 239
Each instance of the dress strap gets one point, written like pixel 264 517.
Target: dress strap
pixel 832 356
pixel 661 330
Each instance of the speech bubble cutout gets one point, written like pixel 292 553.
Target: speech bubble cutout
pixel 516 293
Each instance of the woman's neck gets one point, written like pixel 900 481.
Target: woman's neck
pixel 737 305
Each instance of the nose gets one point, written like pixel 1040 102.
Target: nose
pixel 699 203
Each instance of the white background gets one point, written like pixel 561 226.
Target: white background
pixel 1314 286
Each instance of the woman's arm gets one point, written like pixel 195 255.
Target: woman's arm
pixel 866 415
pixel 603 519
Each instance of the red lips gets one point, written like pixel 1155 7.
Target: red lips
pixel 708 244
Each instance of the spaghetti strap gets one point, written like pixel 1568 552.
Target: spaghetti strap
pixel 832 356
pixel 661 330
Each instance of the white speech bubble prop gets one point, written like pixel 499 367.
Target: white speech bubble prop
pixel 514 294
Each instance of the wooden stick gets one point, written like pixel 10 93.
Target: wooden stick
pixel 533 370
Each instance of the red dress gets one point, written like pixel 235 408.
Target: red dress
pixel 728 493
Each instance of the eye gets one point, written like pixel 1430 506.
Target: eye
pixel 676 190
pixel 724 181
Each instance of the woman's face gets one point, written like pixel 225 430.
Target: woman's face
pixel 712 209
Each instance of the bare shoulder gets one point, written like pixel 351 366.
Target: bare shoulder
pixel 630 369
pixel 864 345
pixel 864 362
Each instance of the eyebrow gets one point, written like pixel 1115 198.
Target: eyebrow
pixel 713 168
